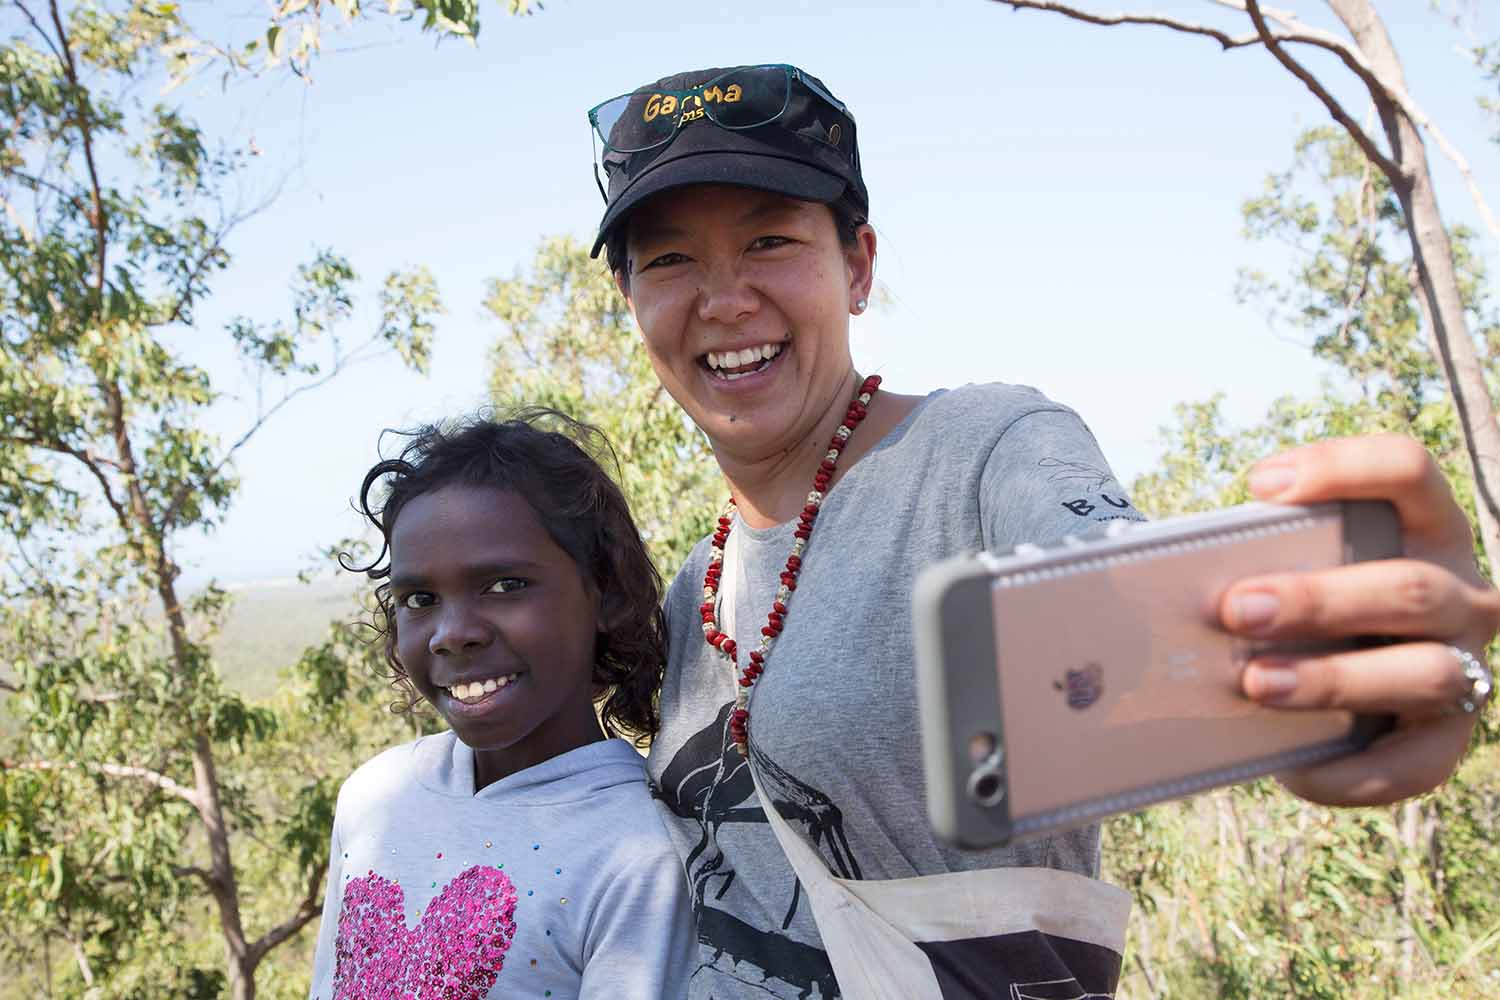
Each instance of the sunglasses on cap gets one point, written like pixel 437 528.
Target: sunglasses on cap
pixel 740 98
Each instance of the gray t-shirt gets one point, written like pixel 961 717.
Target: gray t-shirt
pixel 556 881
pixel 834 718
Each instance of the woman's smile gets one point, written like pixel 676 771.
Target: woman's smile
pixel 732 365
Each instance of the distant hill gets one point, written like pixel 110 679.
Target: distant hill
pixel 270 623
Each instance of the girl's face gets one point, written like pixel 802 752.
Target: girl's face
pixel 495 625
pixel 743 299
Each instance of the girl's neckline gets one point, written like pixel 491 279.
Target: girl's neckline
pixel 856 472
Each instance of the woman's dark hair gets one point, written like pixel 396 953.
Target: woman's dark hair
pixel 846 220
pixel 544 457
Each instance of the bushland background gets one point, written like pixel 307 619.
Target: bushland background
pixel 235 242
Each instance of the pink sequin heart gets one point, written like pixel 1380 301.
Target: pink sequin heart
pixel 455 952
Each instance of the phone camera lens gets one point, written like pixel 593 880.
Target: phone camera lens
pixel 987 783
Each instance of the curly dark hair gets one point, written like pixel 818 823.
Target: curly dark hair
pixel 543 456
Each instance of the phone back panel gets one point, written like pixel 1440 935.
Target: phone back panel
pixel 1114 675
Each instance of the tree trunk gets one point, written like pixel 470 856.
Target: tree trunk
pixel 152 551
pixel 1432 253
pixel 225 890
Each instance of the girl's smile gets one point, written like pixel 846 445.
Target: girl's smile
pixel 474 692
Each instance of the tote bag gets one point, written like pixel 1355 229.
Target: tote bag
pixel 1006 933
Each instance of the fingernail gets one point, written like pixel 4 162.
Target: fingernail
pixel 1254 610
pixel 1272 478
pixel 1273 683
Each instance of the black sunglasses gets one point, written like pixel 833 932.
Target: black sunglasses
pixel 740 98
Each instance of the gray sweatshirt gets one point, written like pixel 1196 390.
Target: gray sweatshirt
pixel 557 881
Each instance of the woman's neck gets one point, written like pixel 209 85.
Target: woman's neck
pixel 773 489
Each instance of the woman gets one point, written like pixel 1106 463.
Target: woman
pixel 736 229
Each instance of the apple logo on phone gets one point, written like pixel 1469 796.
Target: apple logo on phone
pixel 1083 687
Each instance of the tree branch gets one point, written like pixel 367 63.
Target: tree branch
pixel 169 518
pixel 45 37
pixel 1263 35
pixel 193 871
pixel 176 312
pixel 1302 34
pixel 1224 39
pixel 1420 119
pixel 85 129
pixel 155 778
pixel 1358 64
pixel 1386 165
pixel 92 461
pixel 37 182
pixel 309 907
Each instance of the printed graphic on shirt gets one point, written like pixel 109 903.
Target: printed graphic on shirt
pixel 1100 497
pixel 455 952
pixel 708 782
pixel 1027 965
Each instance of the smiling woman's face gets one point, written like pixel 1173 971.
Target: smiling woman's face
pixel 743 299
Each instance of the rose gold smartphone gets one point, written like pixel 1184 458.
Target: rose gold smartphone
pixel 1060 686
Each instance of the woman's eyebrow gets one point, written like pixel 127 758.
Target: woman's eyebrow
pixel 771 210
pixel 647 232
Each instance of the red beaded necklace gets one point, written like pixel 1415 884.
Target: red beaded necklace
pixel 739 719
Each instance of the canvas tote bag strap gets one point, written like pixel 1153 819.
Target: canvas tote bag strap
pixel 871 959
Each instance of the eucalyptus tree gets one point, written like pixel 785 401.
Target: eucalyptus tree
pixel 132 787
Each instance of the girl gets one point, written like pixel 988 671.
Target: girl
pixel 736 227
pixel 517 854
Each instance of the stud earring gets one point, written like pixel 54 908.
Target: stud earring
pixel 860 304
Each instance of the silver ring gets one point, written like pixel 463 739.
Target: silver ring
pixel 1481 682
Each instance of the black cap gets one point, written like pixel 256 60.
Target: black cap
pixel 809 152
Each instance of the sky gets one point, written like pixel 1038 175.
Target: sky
pixel 1056 204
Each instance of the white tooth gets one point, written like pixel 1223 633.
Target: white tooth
pixel 490 685
pixel 747 356
pixel 732 376
pixel 772 350
pixel 714 361
pixel 502 682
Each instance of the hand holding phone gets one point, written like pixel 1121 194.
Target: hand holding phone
pixel 1060 686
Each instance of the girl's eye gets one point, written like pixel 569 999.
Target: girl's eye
pixel 417 600
pixel 769 242
pixel 506 585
